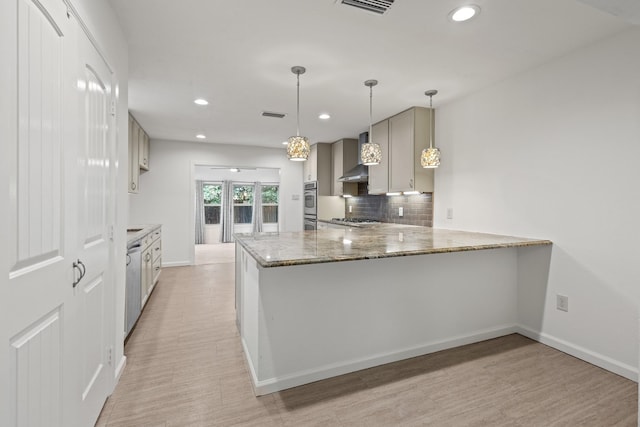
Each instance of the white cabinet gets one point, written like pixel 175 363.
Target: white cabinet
pixel 344 155
pixel 408 135
pixel 138 153
pixel 134 152
pixel 143 150
pixel 379 174
pixel 151 261
pixel 318 167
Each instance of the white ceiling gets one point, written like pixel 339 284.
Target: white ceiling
pixel 238 55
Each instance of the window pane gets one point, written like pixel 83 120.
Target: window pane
pixel 242 194
pixel 269 214
pixel 212 214
pixel 242 214
pixel 270 194
pixel 212 194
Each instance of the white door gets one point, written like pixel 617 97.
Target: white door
pixel 52 370
pixel 94 293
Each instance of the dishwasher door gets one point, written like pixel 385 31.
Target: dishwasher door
pixel 133 295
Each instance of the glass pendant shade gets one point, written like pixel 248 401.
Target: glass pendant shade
pixel 298 148
pixel 370 154
pixel 430 157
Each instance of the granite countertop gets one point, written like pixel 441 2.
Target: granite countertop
pixel 137 232
pixel 378 241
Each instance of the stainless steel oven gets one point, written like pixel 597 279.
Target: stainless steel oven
pixel 310 199
pixel 310 223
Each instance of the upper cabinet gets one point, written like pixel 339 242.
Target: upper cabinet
pixel 138 153
pixel 345 156
pixel 408 135
pixel 318 167
pixel 379 174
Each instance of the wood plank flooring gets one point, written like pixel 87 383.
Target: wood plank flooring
pixel 185 367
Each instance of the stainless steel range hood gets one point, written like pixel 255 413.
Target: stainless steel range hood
pixel 359 173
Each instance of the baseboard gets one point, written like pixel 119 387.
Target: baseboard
pixel 304 377
pixel 176 264
pixel 592 357
pixel 120 368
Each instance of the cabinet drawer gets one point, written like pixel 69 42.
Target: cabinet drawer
pixel 157 249
pixel 157 266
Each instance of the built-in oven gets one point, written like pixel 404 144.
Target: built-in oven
pixel 310 223
pixel 310 199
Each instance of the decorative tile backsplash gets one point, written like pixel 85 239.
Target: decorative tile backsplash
pixel 417 209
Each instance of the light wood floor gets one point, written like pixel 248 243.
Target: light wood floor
pixel 185 367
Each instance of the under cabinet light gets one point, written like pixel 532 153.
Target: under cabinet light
pixel 395 193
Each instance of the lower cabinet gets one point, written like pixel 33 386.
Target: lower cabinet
pixel 149 258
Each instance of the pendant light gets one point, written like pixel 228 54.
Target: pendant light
pixel 370 154
pixel 430 157
pixel 298 146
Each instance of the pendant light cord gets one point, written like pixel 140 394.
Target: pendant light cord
pixel 298 108
pixel 370 113
pixel 430 121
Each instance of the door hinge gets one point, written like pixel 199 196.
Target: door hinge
pixel 109 355
pixel 110 232
pixel 113 107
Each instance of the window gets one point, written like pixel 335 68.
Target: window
pixel 269 204
pixel 242 204
pixel 212 201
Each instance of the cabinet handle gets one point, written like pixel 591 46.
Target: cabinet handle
pixel 133 185
pixel 147 257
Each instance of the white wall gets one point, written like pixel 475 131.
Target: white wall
pixel 553 153
pixel 167 192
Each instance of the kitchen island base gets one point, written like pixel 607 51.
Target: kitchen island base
pixel 304 323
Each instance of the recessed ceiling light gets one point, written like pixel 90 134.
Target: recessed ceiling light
pixel 201 136
pixel 234 170
pixel 464 13
pixel 285 143
pixel 324 116
pixel 201 101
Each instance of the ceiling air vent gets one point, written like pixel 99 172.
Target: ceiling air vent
pixel 376 6
pixel 272 114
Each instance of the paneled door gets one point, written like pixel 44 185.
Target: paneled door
pixel 54 350
pixel 94 293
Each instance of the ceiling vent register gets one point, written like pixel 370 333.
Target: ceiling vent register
pixel 272 114
pixel 376 6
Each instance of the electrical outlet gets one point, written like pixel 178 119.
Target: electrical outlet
pixel 450 213
pixel 562 302
pixel 350 209
pixel 400 211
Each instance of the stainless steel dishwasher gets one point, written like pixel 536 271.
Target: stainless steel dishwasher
pixel 133 296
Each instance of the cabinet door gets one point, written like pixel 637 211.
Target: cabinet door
pixel 134 162
pixel 337 161
pixel 143 150
pixel 379 174
pixel 311 165
pixel 401 157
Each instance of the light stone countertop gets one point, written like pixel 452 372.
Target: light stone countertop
pixel 136 232
pixel 379 241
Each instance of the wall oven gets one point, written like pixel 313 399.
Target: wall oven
pixel 310 205
pixel 310 199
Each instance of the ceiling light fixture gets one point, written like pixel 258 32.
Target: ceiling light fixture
pixel 370 154
pixel 430 157
pixel 201 136
pixel 298 146
pixel 324 116
pixel 201 101
pixel 234 170
pixel 285 142
pixel 464 13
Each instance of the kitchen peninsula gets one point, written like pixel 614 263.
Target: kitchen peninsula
pixel 316 304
